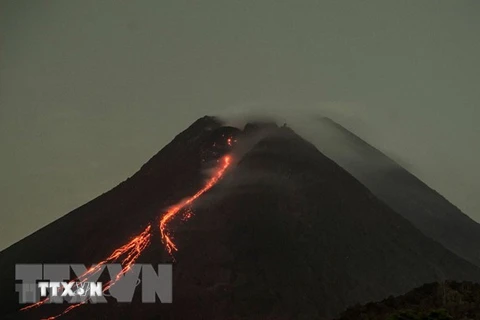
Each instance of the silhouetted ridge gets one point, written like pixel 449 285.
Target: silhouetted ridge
pixel 253 127
pixel 446 300
pixel 194 135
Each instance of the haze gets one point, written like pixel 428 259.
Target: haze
pixel 90 90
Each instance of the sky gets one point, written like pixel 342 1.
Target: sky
pixel 90 90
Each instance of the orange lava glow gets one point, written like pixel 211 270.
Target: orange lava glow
pixel 129 252
pixel 173 211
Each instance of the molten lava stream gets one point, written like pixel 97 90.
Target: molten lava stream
pixel 130 251
pixel 173 211
pixel 133 249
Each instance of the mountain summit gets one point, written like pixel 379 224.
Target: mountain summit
pixel 258 224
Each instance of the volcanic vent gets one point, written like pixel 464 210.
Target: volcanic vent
pixel 273 229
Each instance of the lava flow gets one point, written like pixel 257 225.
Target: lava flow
pixel 173 211
pixel 130 251
pixel 133 249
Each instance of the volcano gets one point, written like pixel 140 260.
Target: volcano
pixel 257 223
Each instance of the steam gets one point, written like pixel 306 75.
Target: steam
pixel 318 125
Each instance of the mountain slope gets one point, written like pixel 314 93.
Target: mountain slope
pixel 429 211
pixel 285 234
pixel 308 239
pixel 89 233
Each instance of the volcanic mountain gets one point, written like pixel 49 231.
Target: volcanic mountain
pixel 258 225
pixel 429 211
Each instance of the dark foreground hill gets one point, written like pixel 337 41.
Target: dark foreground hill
pixel 286 234
pixel 429 211
pixel 433 301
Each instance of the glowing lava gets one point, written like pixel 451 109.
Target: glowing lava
pixel 130 253
pixel 173 211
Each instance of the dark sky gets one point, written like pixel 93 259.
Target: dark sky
pixel 90 90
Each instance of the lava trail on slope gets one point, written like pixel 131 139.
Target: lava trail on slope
pixel 173 211
pixel 132 250
pixel 130 253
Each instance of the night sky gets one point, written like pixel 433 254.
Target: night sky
pixel 90 90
